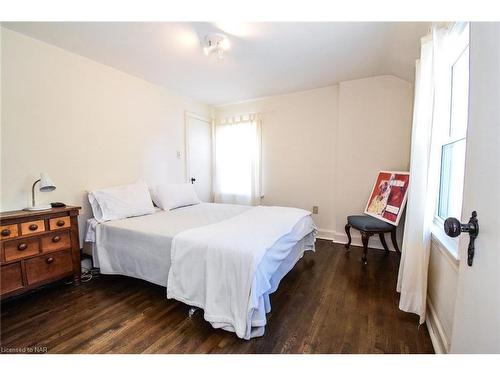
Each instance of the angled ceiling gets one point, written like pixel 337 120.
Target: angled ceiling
pixel 265 58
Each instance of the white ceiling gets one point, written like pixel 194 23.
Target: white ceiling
pixel 265 58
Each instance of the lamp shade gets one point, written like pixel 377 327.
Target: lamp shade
pixel 46 184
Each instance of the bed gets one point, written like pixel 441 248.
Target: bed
pixel 225 259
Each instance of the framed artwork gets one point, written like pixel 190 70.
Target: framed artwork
pixel 388 198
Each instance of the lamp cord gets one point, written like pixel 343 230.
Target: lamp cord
pixel 88 274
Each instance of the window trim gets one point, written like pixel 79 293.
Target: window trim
pixel 451 245
pixel 450 136
pixel 436 243
pixel 440 185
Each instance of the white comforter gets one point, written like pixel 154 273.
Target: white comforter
pixel 214 267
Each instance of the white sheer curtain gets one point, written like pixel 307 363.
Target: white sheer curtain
pixel 424 177
pixel 237 160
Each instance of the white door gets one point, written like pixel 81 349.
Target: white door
pixel 199 155
pixel 476 326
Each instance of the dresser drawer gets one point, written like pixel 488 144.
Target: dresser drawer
pixel 11 278
pixel 48 266
pixel 31 227
pixel 38 248
pixel 8 231
pixel 56 241
pixel 59 222
pixel 21 248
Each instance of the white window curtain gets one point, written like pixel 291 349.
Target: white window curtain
pixel 428 110
pixel 238 160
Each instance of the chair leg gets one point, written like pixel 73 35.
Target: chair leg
pixel 384 244
pixel 394 241
pixel 348 232
pixel 365 237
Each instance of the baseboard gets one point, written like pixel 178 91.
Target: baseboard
pixel 325 234
pixel 436 331
pixel 337 237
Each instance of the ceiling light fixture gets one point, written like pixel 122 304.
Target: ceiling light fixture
pixel 216 43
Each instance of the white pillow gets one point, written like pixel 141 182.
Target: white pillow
pixel 169 196
pixel 120 202
pixel 154 197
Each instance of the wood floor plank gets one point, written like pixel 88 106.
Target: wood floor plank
pixel 329 303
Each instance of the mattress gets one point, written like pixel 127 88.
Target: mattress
pixel 140 247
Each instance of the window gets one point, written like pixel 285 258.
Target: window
pixel 452 124
pixel 235 152
pixel 453 144
pixel 237 161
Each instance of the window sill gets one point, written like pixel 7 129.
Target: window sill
pixel 447 245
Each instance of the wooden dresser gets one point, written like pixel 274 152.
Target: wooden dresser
pixel 37 248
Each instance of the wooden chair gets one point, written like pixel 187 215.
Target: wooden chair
pixel 368 226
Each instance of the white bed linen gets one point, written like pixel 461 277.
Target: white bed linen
pixel 170 196
pixel 141 247
pixel 120 202
pixel 216 267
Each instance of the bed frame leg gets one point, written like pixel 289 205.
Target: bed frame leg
pixel 192 310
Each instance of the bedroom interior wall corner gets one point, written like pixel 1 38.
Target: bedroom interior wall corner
pixel 375 116
pixel 84 123
pixel 298 134
pixel 348 132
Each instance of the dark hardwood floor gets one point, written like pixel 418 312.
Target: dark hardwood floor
pixel 329 303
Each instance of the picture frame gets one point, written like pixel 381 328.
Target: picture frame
pixel 388 196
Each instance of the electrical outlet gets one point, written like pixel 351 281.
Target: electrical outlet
pixel 315 209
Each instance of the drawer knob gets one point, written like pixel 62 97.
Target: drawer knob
pixel 56 239
pixel 33 227
pixel 60 223
pixel 5 232
pixel 22 246
pixel 49 260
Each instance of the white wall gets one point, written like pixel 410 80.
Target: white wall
pixel 298 138
pixel 441 293
pixel 325 146
pixel 86 124
pixel 476 323
pixel 374 134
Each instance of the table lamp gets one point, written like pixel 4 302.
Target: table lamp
pixel 46 185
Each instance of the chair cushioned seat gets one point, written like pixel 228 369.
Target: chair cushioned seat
pixel 368 223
